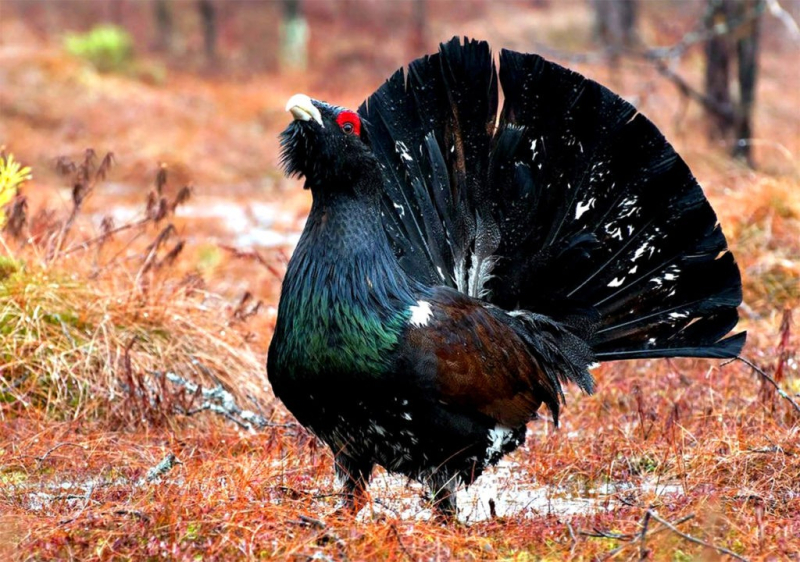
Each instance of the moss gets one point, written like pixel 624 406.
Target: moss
pixel 8 267
pixel 13 478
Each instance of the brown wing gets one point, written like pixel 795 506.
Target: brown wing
pixel 478 362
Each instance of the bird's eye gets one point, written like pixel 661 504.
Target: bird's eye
pixel 349 122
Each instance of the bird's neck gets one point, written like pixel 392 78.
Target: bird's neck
pixel 345 299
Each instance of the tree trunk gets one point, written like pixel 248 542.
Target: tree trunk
pixel 164 25
pixel 294 37
pixel 420 25
pixel 208 16
pixel 116 11
pixel 615 24
pixel 735 24
pixel 718 62
pixel 747 53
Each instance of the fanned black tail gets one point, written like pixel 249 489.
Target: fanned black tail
pixel 571 204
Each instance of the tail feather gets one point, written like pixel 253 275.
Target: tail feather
pixel 573 205
pixel 395 134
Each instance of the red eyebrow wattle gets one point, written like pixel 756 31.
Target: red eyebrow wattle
pixel 350 117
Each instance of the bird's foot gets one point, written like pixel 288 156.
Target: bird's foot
pixel 443 503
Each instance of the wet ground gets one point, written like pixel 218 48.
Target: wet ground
pixel 503 491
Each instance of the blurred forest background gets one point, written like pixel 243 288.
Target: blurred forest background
pixel 199 85
pixel 146 226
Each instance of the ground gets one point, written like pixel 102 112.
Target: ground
pixel 98 459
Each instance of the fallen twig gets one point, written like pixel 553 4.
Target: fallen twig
pixel 51 449
pixel 222 402
pixel 695 540
pixel 783 394
pixel 138 514
pixel 641 534
pixel 771 449
pixel 574 540
pixel 311 521
pixel 162 468
pixel 601 534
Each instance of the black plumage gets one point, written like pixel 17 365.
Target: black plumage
pixel 458 266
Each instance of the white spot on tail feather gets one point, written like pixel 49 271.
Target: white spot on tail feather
pixel 401 148
pixel 616 282
pixel 420 313
pixel 583 207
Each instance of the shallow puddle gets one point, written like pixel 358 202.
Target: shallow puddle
pixel 512 492
pixel 506 486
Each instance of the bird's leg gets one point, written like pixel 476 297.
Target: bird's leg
pixel 443 495
pixel 353 476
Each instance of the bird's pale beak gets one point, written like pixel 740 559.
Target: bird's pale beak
pixel 301 108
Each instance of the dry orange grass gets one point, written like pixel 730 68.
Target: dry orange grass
pixel 85 415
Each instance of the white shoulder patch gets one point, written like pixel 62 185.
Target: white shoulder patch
pixel 499 436
pixel 421 313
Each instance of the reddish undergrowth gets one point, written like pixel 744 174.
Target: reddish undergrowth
pixel 93 318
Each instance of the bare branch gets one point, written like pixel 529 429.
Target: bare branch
pixel 695 540
pixel 51 449
pixel 783 394
pixel 778 11
pixel 641 534
pixel 687 90
pixel 223 403
pixel 162 468
pixel 643 541
pixel 86 244
pixel 674 51
pixel 694 37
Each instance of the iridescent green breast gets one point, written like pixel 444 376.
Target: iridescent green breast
pixel 320 334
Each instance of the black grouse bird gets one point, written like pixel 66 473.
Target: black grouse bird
pixel 458 266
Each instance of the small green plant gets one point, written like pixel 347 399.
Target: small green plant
pixel 12 176
pixel 109 48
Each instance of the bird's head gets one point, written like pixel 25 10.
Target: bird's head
pixel 325 144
